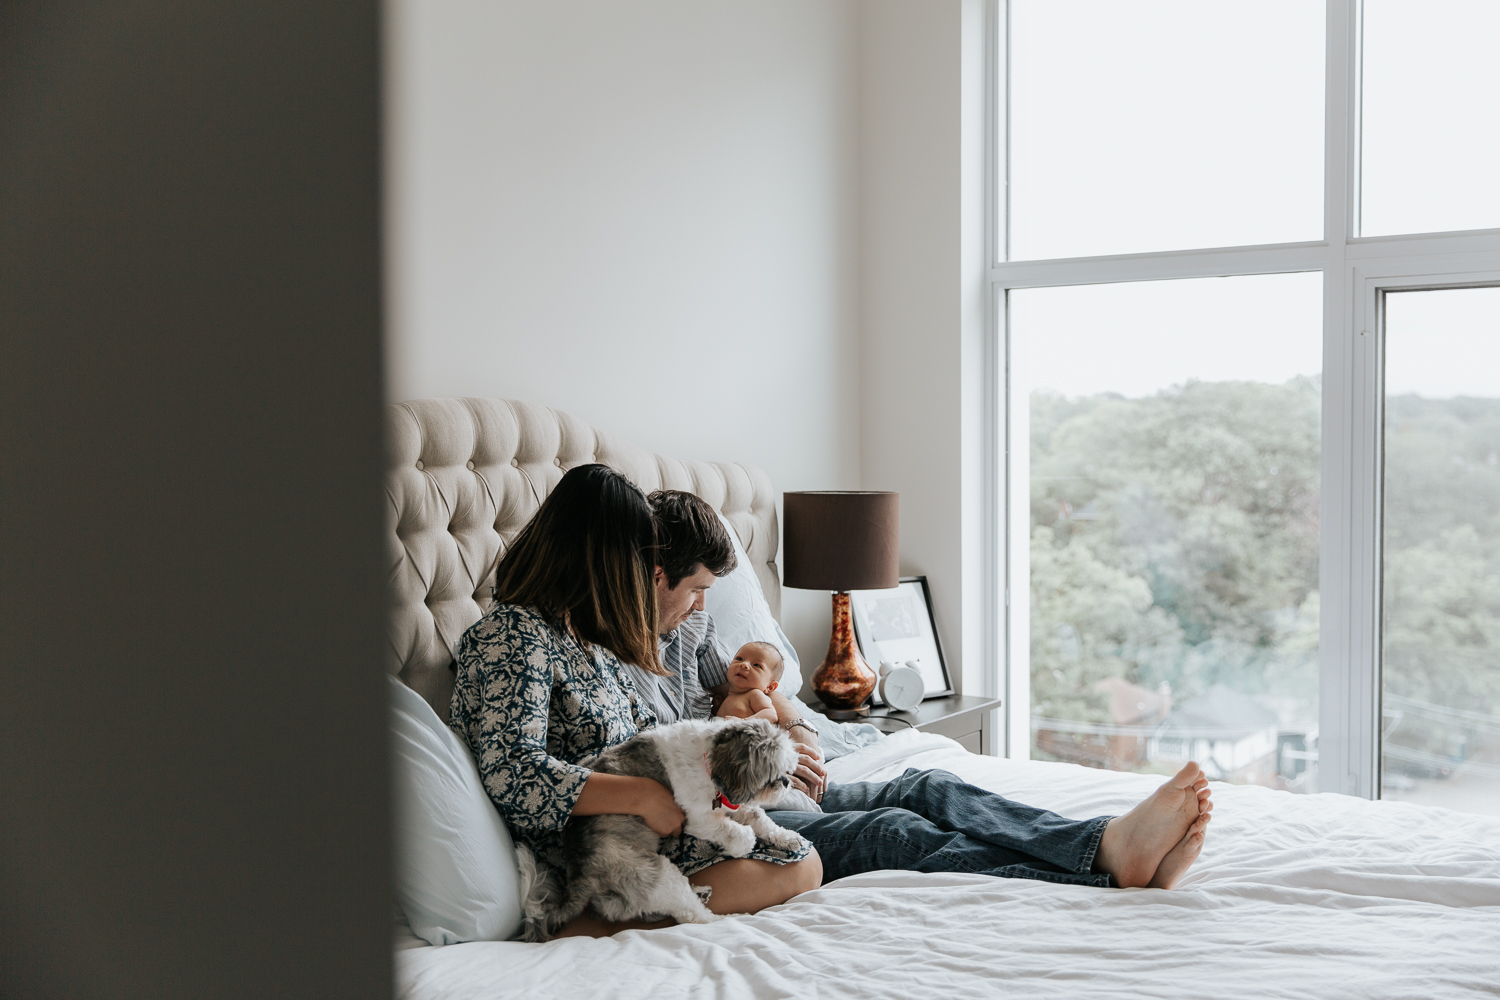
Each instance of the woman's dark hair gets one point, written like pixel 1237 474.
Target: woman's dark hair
pixel 584 560
pixel 688 533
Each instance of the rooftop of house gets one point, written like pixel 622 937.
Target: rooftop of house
pixel 1221 713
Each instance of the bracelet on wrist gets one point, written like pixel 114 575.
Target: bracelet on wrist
pixel 789 726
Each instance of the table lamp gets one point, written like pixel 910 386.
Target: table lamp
pixel 841 541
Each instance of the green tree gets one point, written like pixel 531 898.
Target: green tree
pixel 1441 599
pixel 1206 495
pixel 1096 621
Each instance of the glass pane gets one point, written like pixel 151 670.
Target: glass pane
pixel 1140 125
pixel 1165 440
pixel 1441 595
pixel 1430 101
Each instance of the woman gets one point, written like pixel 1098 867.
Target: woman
pixel 541 685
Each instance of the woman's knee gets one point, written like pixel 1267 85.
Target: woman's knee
pixel 803 876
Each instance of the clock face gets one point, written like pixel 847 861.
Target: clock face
pixel 902 689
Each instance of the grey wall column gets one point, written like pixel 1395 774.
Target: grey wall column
pixel 192 713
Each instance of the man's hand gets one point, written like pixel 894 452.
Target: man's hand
pixel 810 777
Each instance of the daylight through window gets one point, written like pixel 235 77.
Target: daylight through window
pixel 1244 439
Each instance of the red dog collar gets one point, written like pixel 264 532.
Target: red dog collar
pixel 719 799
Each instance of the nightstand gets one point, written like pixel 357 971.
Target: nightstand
pixel 960 717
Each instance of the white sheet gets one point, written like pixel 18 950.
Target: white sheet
pixel 1295 896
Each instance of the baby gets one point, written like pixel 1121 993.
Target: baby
pixel 753 675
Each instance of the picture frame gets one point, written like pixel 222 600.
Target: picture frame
pixel 898 625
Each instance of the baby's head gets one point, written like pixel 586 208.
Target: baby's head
pixel 756 667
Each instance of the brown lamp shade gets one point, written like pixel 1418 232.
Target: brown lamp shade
pixel 836 540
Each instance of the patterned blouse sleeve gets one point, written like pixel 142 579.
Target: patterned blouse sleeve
pixel 510 669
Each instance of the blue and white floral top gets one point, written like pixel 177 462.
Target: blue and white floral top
pixel 531 702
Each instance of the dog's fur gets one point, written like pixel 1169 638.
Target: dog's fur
pixel 613 864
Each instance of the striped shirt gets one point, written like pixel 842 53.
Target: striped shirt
pixel 695 661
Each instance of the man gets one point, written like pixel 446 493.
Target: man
pixel 694 550
pixel 927 821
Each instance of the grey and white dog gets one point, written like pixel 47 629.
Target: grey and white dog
pixel 719 773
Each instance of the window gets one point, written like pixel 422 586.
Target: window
pixel 1213 229
pixel 1141 125
pixel 1430 82
pixel 1172 432
pixel 1440 599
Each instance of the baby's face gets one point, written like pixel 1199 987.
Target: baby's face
pixel 754 668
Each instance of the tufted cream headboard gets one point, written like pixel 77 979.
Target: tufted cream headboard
pixel 465 475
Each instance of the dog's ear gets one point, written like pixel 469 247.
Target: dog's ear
pixel 746 758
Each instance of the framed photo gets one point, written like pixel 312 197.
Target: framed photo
pixel 897 625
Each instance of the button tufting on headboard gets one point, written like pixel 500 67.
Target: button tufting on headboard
pixel 465 475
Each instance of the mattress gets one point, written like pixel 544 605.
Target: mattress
pixel 1294 896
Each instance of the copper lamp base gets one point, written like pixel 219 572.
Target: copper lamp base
pixel 843 681
pixel 847 714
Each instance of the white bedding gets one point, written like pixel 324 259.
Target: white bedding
pixel 1295 896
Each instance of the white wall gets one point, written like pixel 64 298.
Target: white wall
pixel 922 299
pixel 644 214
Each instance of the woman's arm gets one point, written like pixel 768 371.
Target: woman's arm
pixel 625 795
pixel 502 701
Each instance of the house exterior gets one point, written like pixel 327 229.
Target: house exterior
pixel 1230 735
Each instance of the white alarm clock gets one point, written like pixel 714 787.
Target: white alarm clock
pixel 901 687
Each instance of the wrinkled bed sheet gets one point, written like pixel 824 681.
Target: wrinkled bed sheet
pixel 1294 896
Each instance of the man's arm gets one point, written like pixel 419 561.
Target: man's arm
pixel 810 777
pixel 789 715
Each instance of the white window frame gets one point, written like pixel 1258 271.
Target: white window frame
pixel 1357 272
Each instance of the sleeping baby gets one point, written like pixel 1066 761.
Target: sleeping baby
pixel 753 675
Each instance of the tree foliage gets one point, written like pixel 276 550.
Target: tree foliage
pixel 1175 539
pixel 1441 601
pixel 1205 498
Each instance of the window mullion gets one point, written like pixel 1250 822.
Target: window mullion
pixel 1349 682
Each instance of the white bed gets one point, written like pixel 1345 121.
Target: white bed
pixel 1294 896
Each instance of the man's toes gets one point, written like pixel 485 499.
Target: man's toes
pixel 1189 775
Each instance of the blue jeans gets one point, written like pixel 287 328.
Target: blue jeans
pixel 930 821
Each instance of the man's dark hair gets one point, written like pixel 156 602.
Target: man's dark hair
pixel 688 533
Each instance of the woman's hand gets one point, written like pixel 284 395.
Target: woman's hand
pixel 627 795
pixel 660 811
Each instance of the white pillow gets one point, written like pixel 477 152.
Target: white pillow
pixel 455 866
pixel 738 607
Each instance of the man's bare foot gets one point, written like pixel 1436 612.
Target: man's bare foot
pixel 1180 858
pixel 1134 845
